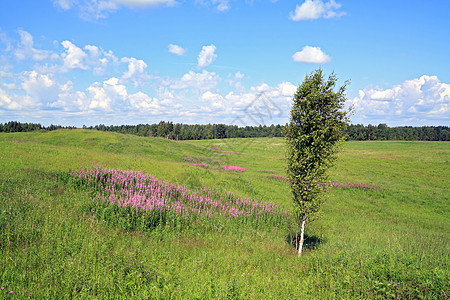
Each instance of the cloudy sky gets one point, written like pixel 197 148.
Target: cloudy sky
pixel 75 62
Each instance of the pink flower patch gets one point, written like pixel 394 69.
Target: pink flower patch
pixel 233 168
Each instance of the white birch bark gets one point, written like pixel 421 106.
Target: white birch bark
pixel 300 244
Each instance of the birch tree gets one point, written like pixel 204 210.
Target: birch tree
pixel 313 135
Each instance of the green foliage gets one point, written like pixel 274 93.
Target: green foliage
pixel 314 132
pixel 219 131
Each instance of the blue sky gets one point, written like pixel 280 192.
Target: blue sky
pixel 88 62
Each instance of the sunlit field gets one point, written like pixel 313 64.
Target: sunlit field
pixel 87 214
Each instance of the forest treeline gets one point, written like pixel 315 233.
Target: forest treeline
pixel 218 131
pixel 14 126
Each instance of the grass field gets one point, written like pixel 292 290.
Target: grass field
pixel 387 242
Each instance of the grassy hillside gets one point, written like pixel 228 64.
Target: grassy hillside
pixel 388 242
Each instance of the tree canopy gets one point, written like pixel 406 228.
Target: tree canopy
pixel 315 130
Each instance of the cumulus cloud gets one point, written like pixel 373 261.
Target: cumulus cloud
pixel 215 100
pixel 41 87
pixel 143 101
pixel 71 101
pixel 166 97
pixel 283 92
pixel 287 89
pixel 312 55
pixel 135 67
pixel 109 96
pixel 136 71
pixel 38 90
pixel 314 9
pixel 104 94
pixel 26 50
pixel 206 56
pixel 6 101
pixel 411 102
pixel 175 49
pixel 100 59
pixel 261 104
pixel 73 57
pixel 45 91
pixel 198 81
pixel 94 51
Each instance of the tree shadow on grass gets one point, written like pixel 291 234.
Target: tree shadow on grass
pixel 310 242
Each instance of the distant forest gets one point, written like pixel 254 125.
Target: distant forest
pixel 219 131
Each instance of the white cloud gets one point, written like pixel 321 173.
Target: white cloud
pixel 314 9
pixel 263 104
pixel 7 102
pixel 187 113
pixel 96 9
pixel 136 72
pixel 103 95
pixel 26 50
pixel 70 100
pixel 143 101
pixel 207 56
pixel 166 97
pixel 99 9
pixel 312 55
pixel 424 98
pixel 5 74
pixel 175 49
pixel 64 4
pixel 89 9
pixel 93 50
pixel 215 100
pixel 263 87
pixel 198 81
pixel 35 91
pixel 41 87
pixel 222 5
pixel 281 93
pixel 135 67
pixel 99 59
pixel 5 40
pixel 109 96
pixel 73 57
pixel 10 86
pixel 287 89
pixel 235 83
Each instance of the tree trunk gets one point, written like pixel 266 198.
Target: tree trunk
pixel 300 243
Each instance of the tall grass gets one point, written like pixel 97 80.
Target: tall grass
pixel 387 243
pixel 138 201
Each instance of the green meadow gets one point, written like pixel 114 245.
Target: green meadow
pixel 387 242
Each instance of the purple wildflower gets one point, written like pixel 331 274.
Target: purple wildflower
pixel 233 168
pixel 147 194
